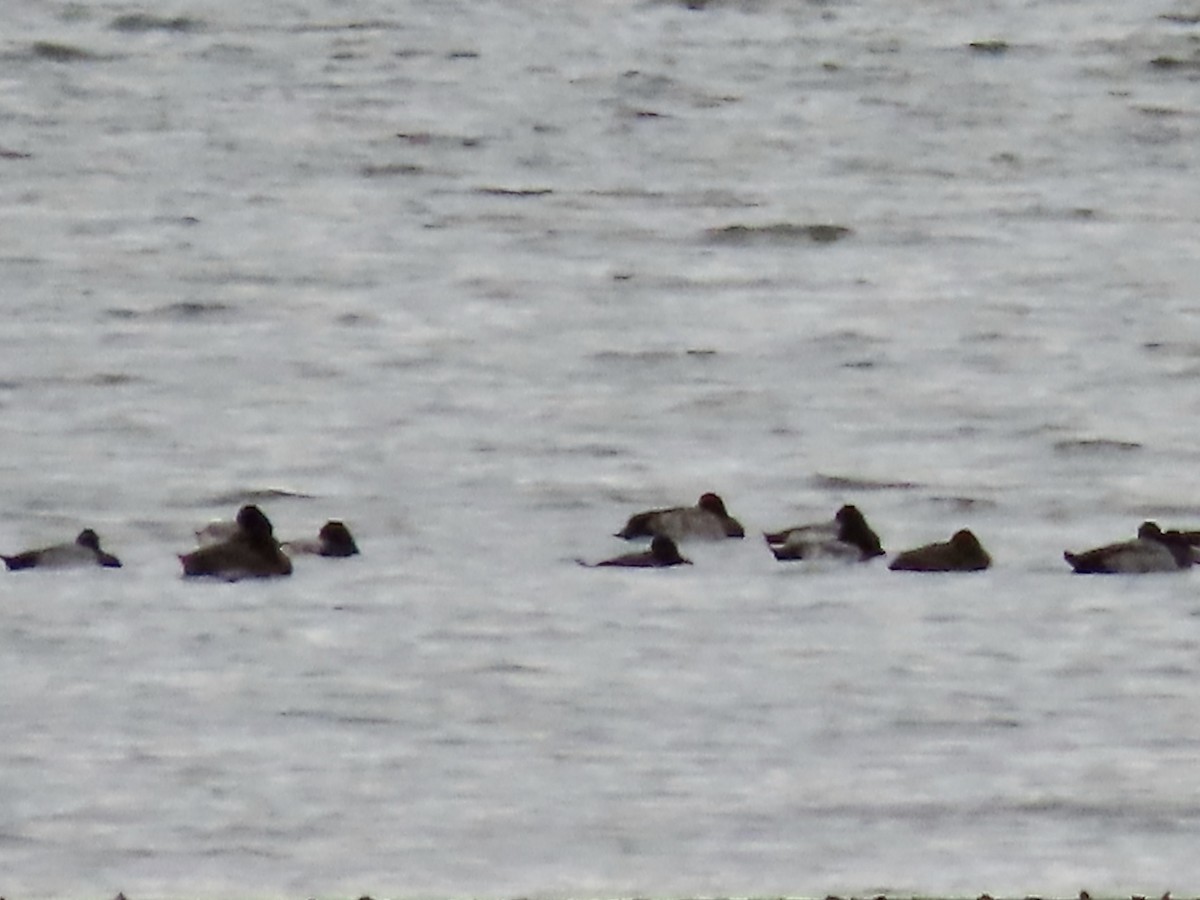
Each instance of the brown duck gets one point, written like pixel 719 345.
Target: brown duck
pixel 962 553
pixel 251 552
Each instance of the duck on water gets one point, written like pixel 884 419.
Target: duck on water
pixel 962 553
pixel 84 551
pixel 707 520
pixel 846 537
pixel 662 554
pixel 1153 550
pixel 250 552
pixel 333 540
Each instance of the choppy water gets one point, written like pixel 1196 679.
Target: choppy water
pixel 483 279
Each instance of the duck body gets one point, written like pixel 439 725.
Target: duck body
pixel 84 551
pixel 251 552
pixel 662 554
pixel 1151 551
pixel 707 520
pixel 962 553
pixel 847 538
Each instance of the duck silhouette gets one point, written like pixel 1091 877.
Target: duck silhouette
pixel 663 553
pixel 251 552
pixel 334 539
pixel 962 553
pixel 83 551
pixel 1153 550
pixel 847 537
pixel 707 520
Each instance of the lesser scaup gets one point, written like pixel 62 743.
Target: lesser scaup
pixel 707 520
pixel 663 552
pixel 848 537
pixel 85 551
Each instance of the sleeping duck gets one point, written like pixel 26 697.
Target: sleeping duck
pixel 663 552
pixel 250 552
pixel 962 553
pixel 1151 551
pixel 84 551
pixel 707 520
pixel 847 537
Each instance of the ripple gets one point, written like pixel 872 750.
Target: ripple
pixel 963 504
pixel 513 192
pixel 854 483
pixel 433 139
pixel 241 496
pixel 61 53
pixel 1175 63
pixel 336 718
pixel 989 47
pixel 138 22
pixel 386 170
pixel 1098 446
pixel 778 233
pixel 182 311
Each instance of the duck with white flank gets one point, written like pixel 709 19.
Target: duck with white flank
pixel 334 539
pixel 847 537
pixel 962 553
pixel 1153 550
pixel 251 552
pixel 85 551
pixel 707 520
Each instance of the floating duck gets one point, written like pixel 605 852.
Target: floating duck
pixel 1153 550
pixel 334 539
pixel 707 520
pixel 847 537
pixel 251 552
pixel 962 553
pixel 84 551
pixel 663 552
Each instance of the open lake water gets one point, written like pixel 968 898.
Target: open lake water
pixel 483 279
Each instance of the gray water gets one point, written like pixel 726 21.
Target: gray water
pixel 482 279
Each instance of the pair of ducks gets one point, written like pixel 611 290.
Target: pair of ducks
pixel 847 538
pixel 244 548
pixel 247 547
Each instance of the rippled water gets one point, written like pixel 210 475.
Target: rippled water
pixel 483 279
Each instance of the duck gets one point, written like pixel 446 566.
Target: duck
pixel 1153 550
pixel 847 537
pixel 962 553
pixel 334 539
pixel 84 551
pixel 707 520
pixel 251 552
pixel 663 553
